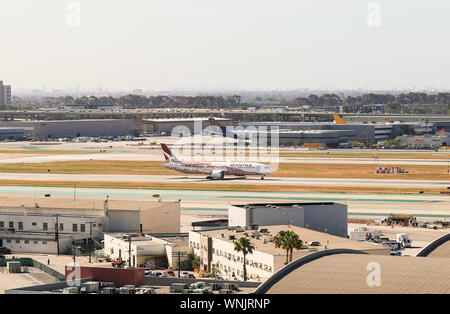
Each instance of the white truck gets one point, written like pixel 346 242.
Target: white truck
pixel 363 234
pixel 404 240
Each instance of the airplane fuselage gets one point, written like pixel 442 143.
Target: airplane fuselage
pixel 228 168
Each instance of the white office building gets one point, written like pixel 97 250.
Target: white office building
pixel 147 250
pixel 215 249
pixel 53 225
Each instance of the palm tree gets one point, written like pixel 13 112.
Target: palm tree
pixel 195 261
pixel 288 240
pixel 280 241
pixel 245 246
pixel 294 242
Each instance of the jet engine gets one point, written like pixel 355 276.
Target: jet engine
pixel 216 175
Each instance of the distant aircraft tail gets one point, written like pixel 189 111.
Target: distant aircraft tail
pixel 215 123
pixel 170 157
pixel 338 119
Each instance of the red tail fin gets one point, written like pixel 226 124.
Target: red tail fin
pixel 166 152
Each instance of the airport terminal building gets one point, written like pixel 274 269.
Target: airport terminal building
pixel 425 141
pixel 367 133
pixel 166 126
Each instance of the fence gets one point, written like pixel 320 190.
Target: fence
pixel 48 270
pixel 29 262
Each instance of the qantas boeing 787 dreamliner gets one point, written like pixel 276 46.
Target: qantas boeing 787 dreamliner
pixel 214 170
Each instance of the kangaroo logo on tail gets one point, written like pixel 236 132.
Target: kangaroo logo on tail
pixel 170 157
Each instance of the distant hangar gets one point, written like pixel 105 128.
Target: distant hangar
pixel 69 128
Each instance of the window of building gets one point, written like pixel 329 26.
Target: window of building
pixel 34 224
pixel 35 242
pixel 17 241
pixel 75 228
pixel 45 226
pixel 44 242
pixel 61 227
pixel 2 224
pixel 11 224
pixel 27 241
pixel 8 241
pixel 20 225
pixel 82 227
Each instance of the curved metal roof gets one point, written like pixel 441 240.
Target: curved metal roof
pixel 352 274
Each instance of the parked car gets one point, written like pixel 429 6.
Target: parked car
pixel 315 243
pixel 169 273
pixel 148 272
pixel 157 274
pixel 189 276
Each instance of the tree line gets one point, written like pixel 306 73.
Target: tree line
pixel 135 101
pixel 331 100
pixel 410 103
pixel 418 103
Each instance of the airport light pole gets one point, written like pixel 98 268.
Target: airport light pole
pixel 57 234
pixel 179 255
pixel 90 241
pixel 129 250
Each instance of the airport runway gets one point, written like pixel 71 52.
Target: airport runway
pixel 329 182
pixel 157 156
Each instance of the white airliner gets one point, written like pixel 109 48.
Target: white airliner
pixel 215 170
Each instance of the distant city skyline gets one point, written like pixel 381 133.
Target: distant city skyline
pixel 219 46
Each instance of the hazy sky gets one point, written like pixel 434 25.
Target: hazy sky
pixel 233 44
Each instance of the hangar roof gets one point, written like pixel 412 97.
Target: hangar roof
pixel 54 205
pixel 348 273
pixel 284 205
pixel 441 251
